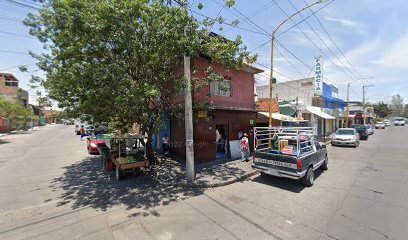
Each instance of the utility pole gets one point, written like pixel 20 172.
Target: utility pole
pixel 348 99
pixel 188 105
pixel 364 104
pixel 272 56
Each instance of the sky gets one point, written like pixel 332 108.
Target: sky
pixel 365 42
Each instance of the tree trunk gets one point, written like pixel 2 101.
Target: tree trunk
pixel 149 149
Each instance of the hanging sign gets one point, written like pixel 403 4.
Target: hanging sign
pixel 318 77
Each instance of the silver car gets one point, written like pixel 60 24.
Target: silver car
pixel 370 129
pixel 346 137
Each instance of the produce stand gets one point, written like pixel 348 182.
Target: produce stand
pixel 127 154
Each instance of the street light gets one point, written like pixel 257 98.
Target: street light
pixel 272 52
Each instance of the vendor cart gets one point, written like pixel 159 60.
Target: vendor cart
pixel 128 154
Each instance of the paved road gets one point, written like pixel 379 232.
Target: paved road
pixel 50 188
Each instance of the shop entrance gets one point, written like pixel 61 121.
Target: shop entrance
pixel 221 141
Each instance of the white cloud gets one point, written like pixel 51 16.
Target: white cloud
pixel 345 22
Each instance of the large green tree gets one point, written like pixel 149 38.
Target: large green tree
pixel 120 61
pixel 18 114
pixel 381 109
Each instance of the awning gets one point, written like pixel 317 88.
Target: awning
pixel 281 117
pixel 318 112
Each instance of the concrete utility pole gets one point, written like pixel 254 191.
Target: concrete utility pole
pixel 188 105
pixel 347 110
pixel 272 53
pixel 364 104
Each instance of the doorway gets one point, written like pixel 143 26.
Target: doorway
pixel 221 141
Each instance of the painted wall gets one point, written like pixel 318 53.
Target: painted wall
pixel 242 85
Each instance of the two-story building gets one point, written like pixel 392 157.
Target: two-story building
pixel 10 90
pixel 233 114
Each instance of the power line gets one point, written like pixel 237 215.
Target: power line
pixel 334 43
pixel 229 24
pixel 320 38
pixel 10 19
pixel 7 51
pixel 321 50
pixel 20 4
pixel 15 34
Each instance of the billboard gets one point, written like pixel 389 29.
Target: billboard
pixel 318 76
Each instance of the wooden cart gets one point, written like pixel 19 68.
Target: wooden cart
pixel 134 142
pixel 121 168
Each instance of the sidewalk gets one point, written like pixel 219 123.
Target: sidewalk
pixel 208 175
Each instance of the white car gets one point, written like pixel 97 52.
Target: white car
pixel 379 125
pixel 346 137
pixel 399 122
pixel 370 129
pixel 387 122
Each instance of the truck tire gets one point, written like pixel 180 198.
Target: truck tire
pixel 308 179
pixel 325 165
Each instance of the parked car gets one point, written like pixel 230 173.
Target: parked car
pixel 387 122
pixel 92 144
pixel 370 129
pixel 297 160
pixel 399 122
pixel 346 137
pixel 379 125
pixel 362 131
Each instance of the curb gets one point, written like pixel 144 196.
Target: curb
pixel 199 185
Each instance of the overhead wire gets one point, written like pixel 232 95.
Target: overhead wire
pixel 320 38
pixel 334 43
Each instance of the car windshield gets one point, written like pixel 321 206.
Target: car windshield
pixel 380 123
pixel 345 132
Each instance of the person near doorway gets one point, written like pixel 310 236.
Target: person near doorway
pixel 82 132
pixel 244 148
pixel 165 146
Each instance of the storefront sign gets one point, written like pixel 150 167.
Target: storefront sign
pixel 251 122
pixel 318 77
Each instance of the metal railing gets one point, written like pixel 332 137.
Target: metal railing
pixel 265 138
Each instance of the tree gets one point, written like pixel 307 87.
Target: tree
pixel 117 60
pixel 382 110
pixel 16 113
pixel 398 105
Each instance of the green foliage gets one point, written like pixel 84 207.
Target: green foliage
pixel 117 60
pixel 16 112
pixel 382 110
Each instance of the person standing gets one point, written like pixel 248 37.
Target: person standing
pixel 165 146
pixel 82 132
pixel 245 148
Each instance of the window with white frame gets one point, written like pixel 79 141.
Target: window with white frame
pixel 221 88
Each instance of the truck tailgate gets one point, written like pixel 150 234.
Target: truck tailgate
pixel 277 161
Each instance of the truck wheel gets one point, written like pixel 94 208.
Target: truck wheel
pixel 325 165
pixel 308 179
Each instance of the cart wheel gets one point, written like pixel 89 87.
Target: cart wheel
pixel 118 174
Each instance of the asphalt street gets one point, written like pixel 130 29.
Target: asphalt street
pixel 52 189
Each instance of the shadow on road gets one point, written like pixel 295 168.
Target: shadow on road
pixel 284 183
pixel 85 184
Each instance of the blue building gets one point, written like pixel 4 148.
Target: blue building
pixel 332 105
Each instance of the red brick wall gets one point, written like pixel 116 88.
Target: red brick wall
pixel 5 89
pixel 242 85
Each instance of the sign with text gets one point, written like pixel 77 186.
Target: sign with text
pixel 318 77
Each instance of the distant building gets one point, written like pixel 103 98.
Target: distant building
pixel 10 90
pixel 297 99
